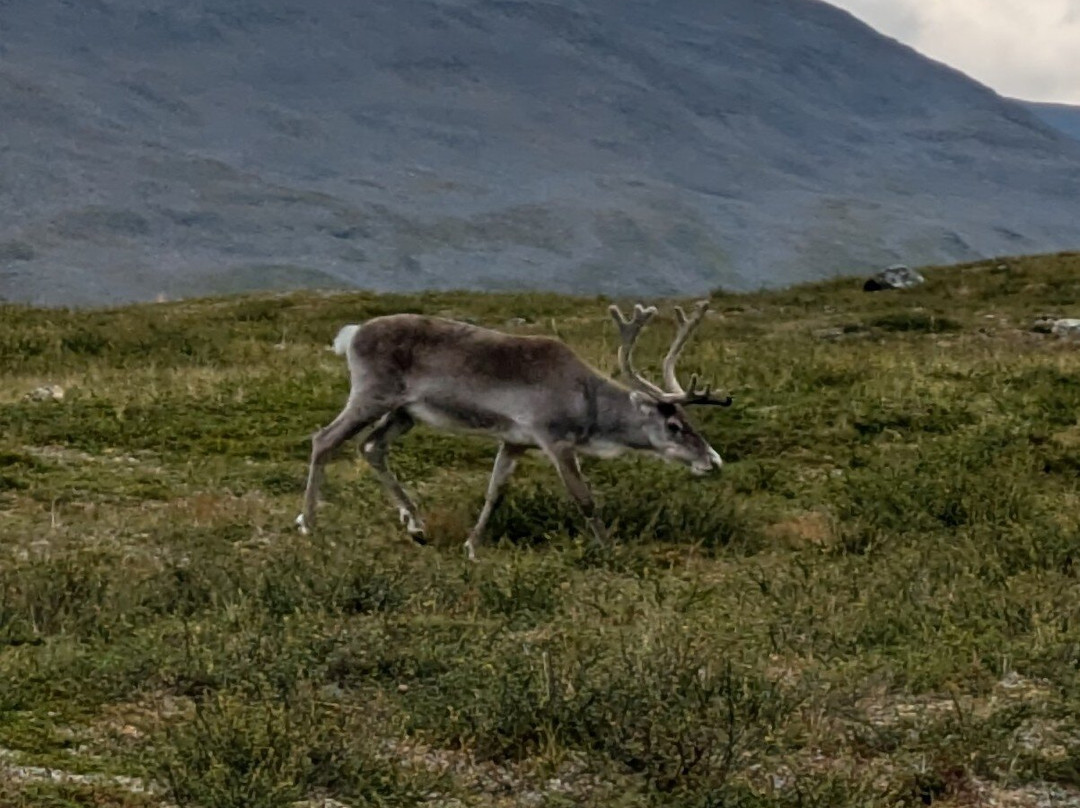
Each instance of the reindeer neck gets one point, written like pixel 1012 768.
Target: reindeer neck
pixel 614 417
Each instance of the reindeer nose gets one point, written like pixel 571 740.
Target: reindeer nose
pixel 712 463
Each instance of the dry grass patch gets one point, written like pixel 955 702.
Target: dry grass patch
pixel 814 528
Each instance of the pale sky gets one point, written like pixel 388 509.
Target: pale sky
pixel 1028 49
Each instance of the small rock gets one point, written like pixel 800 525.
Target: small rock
pixel 1066 328
pixel 50 392
pixel 829 333
pixel 403 688
pixel 897 276
pixel 517 321
pixel 1058 326
pixel 64 734
pixel 331 692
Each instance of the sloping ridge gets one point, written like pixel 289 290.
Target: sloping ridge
pixel 1065 117
pixel 597 146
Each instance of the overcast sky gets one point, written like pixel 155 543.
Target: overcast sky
pixel 1027 49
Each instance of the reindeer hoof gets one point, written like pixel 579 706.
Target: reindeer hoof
pixel 301 525
pixel 413 526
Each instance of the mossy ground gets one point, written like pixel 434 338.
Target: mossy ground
pixel 876 604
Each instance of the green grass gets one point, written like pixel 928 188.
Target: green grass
pixel 876 604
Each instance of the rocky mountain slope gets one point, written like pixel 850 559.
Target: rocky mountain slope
pixel 1061 116
pixel 630 147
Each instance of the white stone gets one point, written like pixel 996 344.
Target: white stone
pixel 50 392
pixel 1066 328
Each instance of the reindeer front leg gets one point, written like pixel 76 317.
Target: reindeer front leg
pixel 566 462
pixel 505 461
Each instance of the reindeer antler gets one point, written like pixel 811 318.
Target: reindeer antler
pixel 629 331
pixel 676 394
pixel 687 326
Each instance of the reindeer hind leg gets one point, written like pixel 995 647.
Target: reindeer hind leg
pixel 356 416
pixel 375 449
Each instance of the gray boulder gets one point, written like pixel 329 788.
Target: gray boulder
pixel 1056 325
pixel 1066 328
pixel 50 392
pixel 898 276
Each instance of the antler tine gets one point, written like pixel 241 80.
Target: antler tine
pixel 703 396
pixel 642 315
pixel 629 330
pixel 687 325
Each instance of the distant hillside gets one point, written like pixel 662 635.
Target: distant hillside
pixel 1061 116
pixel 601 146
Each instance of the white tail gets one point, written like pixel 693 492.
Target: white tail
pixel 343 338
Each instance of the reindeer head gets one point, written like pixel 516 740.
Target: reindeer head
pixel 669 432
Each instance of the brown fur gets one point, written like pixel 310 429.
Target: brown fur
pixel 405 344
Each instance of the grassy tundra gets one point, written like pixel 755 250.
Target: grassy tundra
pixel 875 604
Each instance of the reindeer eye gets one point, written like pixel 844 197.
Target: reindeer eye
pixel 674 427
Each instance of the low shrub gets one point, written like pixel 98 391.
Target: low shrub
pixel 237 753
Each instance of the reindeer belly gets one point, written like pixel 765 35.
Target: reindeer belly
pixel 602 449
pixel 452 417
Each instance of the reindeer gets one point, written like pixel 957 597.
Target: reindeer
pixel 524 391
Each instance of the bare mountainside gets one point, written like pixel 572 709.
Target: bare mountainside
pixel 635 147
pixel 1061 116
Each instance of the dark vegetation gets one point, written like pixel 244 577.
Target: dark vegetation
pixel 875 604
